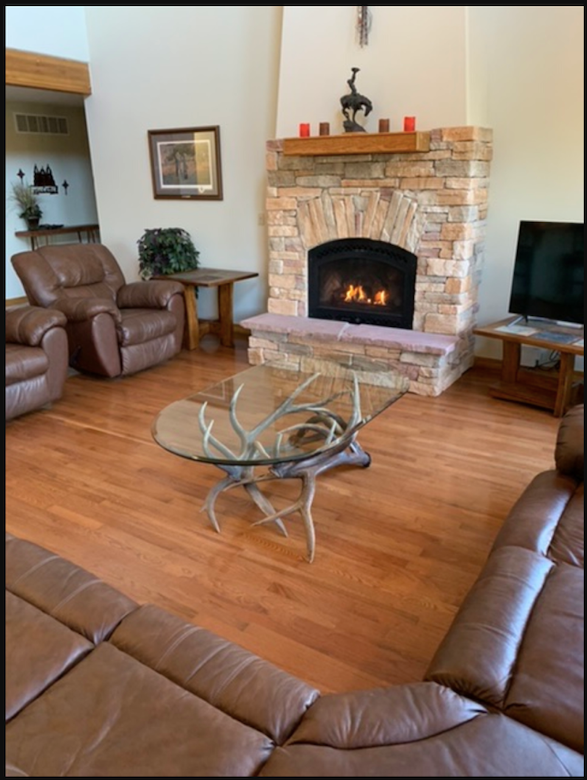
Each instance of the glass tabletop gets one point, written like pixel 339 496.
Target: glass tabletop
pixel 276 413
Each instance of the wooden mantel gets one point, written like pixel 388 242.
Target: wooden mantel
pixel 357 143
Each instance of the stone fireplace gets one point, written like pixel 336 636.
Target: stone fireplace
pixel 376 246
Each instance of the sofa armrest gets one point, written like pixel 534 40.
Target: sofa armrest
pixel 28 324
pixel 148 295
pixel 570 443
pixel 83 309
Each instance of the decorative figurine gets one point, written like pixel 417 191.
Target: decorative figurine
pixel 353 103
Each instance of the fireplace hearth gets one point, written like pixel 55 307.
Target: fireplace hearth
pixel 362 281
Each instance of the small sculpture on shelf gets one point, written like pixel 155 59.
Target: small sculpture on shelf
pixel 353 103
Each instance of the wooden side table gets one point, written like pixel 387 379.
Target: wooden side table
pixel 209 277
pixel 528 386
pixel 91 231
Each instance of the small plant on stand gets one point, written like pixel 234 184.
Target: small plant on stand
pixel 166 251
pixel 27 200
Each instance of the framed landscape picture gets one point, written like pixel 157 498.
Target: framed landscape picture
pixel 185 163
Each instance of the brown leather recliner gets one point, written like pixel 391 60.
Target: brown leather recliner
pixel 36 358
pixel 113 328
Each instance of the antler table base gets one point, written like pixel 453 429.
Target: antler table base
pixel 348 454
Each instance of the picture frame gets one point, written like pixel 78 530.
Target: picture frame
pixel 185 163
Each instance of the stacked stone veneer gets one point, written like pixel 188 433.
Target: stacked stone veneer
pixel 433 203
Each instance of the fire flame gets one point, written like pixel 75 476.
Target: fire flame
pixel 356 294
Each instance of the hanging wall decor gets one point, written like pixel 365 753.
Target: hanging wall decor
pixel 364 20
pixel 43 181
pixel 185 163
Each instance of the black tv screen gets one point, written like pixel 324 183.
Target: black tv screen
pixel 549 271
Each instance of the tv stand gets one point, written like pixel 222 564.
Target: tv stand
pixel 532 386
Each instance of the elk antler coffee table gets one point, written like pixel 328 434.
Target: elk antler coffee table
pixel 275 421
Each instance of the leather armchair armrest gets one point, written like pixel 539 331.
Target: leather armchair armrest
pixel 152 294
pixel 28 324
pixel 83 309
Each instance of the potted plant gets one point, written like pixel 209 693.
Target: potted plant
pixel 27 201
pixel 166 251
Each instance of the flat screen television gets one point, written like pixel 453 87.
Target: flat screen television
pixel 549 272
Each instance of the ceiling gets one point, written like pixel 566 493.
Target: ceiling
pixel 28 95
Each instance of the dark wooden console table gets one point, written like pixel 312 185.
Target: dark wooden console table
pixel 531 386
pixel 209 277
pixel 90 231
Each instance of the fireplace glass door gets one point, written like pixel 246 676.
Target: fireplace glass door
pixel 364 281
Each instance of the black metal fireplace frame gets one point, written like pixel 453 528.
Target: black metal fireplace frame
pixel 344 249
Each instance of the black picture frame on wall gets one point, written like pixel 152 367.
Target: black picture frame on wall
pixel 185 163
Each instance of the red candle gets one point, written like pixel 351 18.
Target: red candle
pixel 304 130
pixel 409 124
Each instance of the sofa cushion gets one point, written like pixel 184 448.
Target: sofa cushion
pixel 548 518
pixel 61 589
pixel 570 443
pixel 478 655
pixel 39 649
pixel 384 716
pixel 472 743
pixel 547 687
pixel 138 326
pixel 517 643
pixel 235 681
pixel 112 716
pixel 23 363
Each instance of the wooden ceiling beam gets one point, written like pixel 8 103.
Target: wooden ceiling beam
pixel 40 71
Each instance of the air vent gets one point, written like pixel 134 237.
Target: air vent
pixel 41 124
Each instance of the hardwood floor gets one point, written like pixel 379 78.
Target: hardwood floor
pixel 398 544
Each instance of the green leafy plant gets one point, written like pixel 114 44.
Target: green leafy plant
pixel 166 251
pixel 26 200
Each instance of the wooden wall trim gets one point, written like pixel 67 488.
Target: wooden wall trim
pixel 27 69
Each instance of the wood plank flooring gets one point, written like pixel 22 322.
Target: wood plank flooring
pixel 398 544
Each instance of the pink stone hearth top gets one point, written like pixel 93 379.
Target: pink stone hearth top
pixel 373 335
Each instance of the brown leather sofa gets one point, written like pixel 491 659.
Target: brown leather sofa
pixel 97 686
pixel 114 328
pixel 36 359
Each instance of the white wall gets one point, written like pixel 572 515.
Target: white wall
pixel 69 159
pixel 414 64
pixel 180 67
pixel 54 30
pixel 526 71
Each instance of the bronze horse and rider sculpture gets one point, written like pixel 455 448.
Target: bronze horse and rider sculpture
pixel 353 103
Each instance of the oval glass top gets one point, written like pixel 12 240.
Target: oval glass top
pixel 273 413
